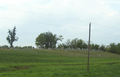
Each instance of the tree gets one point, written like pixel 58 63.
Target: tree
pixel 96 46
pixel 74 43
pixel 118 48
pixel 113 48
pixel 85 46
pixel 81 44
pixel 5 46
pixel 68 43
pixel 107 48
pixel 62 45
pixel 92 46
pixel 47 40
pixel 12 37
pixel 102 47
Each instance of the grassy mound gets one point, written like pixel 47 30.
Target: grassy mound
pixel 57 63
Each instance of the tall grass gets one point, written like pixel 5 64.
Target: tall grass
pixel 57 63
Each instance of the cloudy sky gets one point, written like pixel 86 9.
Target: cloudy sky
pixel 69 18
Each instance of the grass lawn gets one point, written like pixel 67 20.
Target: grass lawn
pixel 57 63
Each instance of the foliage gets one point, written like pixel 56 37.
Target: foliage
pixel 96 46
pixel 102 47
pixel 114 48
pixel 92 46
pixel 5 47
pixel 12 36
pixel 47 40
pixel 77 43
pixel 74 43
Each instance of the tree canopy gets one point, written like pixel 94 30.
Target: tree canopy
pixel 75 43
pixel 47 40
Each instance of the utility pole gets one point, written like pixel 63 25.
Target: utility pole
pixel 89 45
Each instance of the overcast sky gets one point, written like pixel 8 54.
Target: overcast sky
pixel 69 18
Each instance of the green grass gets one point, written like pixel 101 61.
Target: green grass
pixel 57 63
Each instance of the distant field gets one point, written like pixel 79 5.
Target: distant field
pixel 57 63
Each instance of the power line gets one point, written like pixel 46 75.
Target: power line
pixel 101 25
pixel 94 31
pixel 49 24
pixel 28 21
pixel 45 14
pixel 36 22
pixel 52 16
pixel 55 16
pixel 38 13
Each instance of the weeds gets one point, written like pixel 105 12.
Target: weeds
pixel 57 63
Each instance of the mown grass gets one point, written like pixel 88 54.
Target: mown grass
pixel 57 63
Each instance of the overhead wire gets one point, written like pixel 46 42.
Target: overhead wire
pixel 102 25
pixel 51 16
pixel 37 13
pixel 27 21
pixel 105 31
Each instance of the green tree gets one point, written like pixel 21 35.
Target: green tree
pixel 5 46
pixel 12 37
pixel 92 46
pixel 107 48
pixel 85 45
pixel 102 47
pixel 74 43
pixel 62 45
pixel 68 43
pixel 40 40
pixel 113 48
pixel 118 48
pixel 96 46
pixel 47 40
pixel 80 43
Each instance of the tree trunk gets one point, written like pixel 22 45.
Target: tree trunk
pixel 11 45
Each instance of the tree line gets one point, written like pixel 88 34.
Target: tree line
pixel 16 47
pixel 79 43
pixel 49 40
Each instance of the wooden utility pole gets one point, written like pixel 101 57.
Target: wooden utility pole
pixel 89 45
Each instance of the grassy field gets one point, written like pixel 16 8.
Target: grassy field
pixel 57 63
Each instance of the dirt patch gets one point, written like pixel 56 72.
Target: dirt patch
pixel 30 66
pixel 112 63
pixel 21 67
